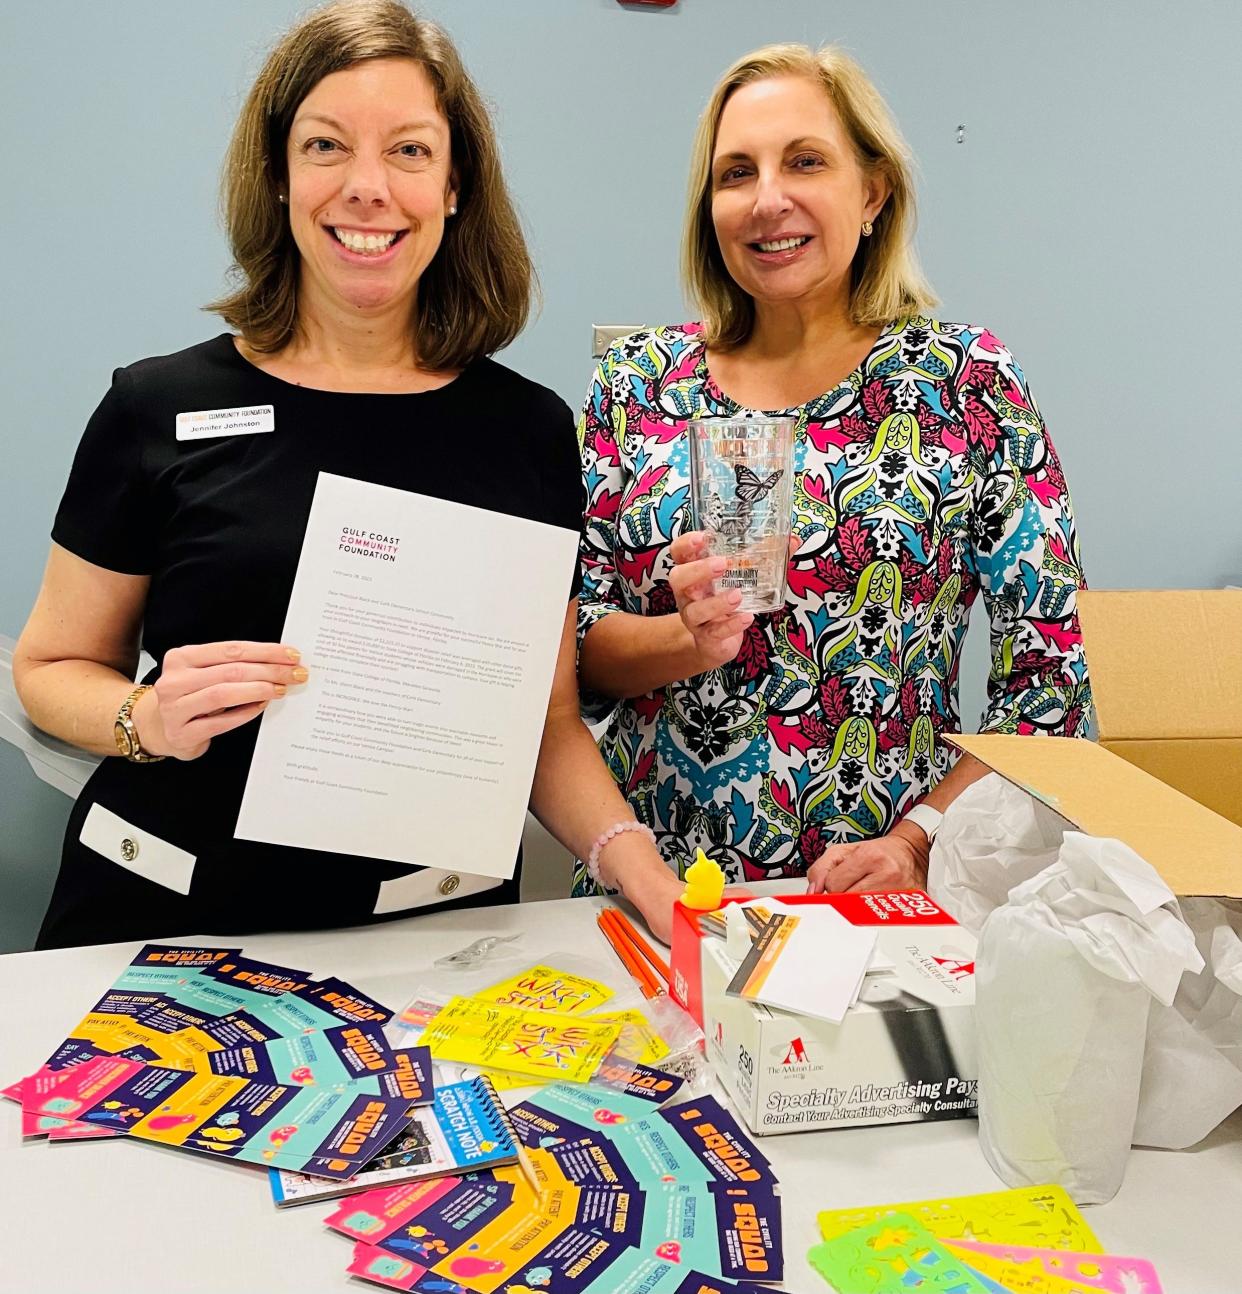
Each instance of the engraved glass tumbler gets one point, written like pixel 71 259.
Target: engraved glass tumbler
pixel 741 488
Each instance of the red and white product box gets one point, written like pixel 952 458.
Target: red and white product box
pixel 905 1052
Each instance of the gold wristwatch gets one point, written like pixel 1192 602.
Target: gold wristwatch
pixel 126 734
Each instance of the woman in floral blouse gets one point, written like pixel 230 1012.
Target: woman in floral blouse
pixel 797 742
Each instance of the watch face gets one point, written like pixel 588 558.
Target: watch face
pixel 120 734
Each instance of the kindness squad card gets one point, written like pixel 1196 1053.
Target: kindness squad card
pixel 600 1183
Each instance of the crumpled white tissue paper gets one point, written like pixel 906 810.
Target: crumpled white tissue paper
pixel 1067 970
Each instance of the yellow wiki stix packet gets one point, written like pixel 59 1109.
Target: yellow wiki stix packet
pixel 1040 1216
pixel 541 1044
pixel 544 988
pixel 639 1042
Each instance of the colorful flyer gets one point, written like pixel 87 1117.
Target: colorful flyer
pixel 750 1242
pixel 544 988
pixel 591 1161
pixel 294 1001
pixel 571 1262
pixel 715 1136
pixel 653 1152
pixel 259 976
pixel 164 969
pixel 539 1174
pixel 495 1254
pixel 319 1005
pixel 727 1231
pixel 370 1263
pixel 37 1092
pixel 428 1220
pixel 373 1215
pixel 241 1029
pixel 569 1112
pixel 330 1132
pixel 186 1026
pixel 613 1211
pixel 628 1271
pixel 636 1079
pixel 347 1004
pixel 109 1028
pixel 637 1271
pixel 1039 1216
pixel 338 1055
pixel 698 1283
pixel 540 1044
pixel 451 1223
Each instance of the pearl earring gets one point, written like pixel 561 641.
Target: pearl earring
pixel 452 211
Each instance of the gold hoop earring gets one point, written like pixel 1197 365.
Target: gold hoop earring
pixel 867 227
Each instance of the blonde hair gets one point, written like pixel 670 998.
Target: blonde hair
pixel 475 296
pixel 886 281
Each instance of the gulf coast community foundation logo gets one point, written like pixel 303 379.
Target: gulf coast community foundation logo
pixel 369 543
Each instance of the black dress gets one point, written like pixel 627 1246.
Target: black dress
pixel 217 524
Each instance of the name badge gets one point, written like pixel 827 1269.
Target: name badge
pixel 206 423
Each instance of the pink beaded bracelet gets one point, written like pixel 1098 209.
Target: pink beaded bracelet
pixel 592 863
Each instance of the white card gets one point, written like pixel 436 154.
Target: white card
pixel 815 969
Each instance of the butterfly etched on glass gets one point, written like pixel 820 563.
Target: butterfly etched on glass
pixel 735 522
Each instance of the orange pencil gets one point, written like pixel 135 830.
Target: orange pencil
pixel 626 927
pixel 629 958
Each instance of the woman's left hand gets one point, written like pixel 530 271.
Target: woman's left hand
pixel 892 862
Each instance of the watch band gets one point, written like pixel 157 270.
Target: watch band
pixel 926 819
pixel 125 732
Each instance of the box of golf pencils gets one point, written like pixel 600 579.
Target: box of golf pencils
pixel 833 1011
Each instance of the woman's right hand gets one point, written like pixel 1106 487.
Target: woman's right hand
pixel 712 619
pixel 211 688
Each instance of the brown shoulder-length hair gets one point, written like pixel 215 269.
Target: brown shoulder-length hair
pixel 886 282
pixel 475 296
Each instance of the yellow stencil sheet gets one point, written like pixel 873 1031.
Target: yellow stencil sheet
pixel 1043 1217
pixel 539 1043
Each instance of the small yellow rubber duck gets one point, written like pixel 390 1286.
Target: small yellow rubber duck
pixel 705 884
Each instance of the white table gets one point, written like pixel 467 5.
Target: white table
pixel 116 1215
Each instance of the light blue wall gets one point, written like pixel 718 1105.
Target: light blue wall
pixel 1090 219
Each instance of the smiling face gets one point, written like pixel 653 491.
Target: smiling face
pixel 789 194
pixel 370 185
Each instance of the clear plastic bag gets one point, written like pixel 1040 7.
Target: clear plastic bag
pixel 658 1034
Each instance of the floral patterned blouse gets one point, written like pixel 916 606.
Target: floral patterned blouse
pixel 922 479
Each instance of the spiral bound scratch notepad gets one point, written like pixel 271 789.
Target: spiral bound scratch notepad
pixel 464 1130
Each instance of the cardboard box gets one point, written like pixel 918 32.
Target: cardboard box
pixel 904 1053
pixel 1166 776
